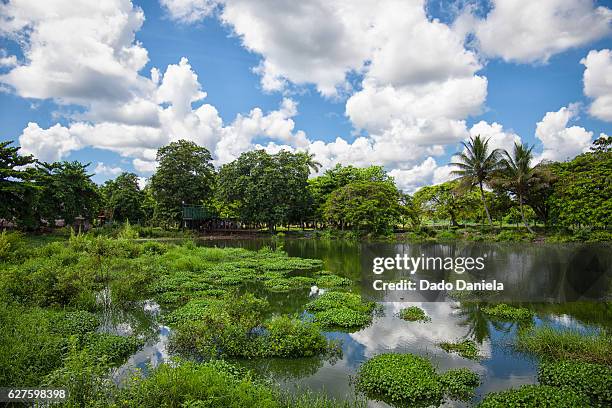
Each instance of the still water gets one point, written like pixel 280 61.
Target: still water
pixel 546 276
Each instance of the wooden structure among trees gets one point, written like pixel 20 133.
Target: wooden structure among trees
pixel 200 218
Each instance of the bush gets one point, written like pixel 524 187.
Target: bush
pixel 514 236
pixel 566 344
pixel 592 380
pixel 288 337
pixel 459 383
pixel 12 246
pixel 414 314
pixel 465 348
pixel 400 379
pixel 534 396
pixel 503 311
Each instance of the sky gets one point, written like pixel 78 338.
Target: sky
pixel 396 83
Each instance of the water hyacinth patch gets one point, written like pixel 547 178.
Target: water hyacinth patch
pixel 112 348
pixel 592 380
pixel 466 348
pixel 341 309
pixel 534 396
pixel 404 379
pixel 505 312
pixel 459 383
pixel 332 281
pixel 414 314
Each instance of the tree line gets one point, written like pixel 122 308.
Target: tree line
pixel 263 190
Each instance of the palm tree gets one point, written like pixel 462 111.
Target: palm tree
pixel 518 176
pixel 476 166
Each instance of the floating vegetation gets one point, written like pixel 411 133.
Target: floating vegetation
pixel 112 348
pixel 414 314
pixel 466 348
pixel 534 396
pixel 459 383
pixel 341 309
pixel 566 344
pixel 592 380
pixel 332 281
pixel 410 380
pixel 503 311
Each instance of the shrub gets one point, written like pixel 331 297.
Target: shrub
pixel 400 379
pixel 12 246
pixel 465 348
pixel 534 396
pixel 414 314
pixel 592 380
pixel 566 344
pixel 503 311
pixel 459 383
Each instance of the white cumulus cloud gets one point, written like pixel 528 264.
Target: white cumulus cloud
pixel 530 31
pixel 598 83
pixel 561 142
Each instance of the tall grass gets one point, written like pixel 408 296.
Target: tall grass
pixel 567 344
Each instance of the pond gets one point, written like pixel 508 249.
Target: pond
pixel 534 273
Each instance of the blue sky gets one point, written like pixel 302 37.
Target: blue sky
pixel 475 74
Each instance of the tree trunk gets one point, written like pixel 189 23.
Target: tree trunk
pixel 484 203
pixel 523 214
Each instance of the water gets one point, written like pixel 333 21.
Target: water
pixel 545 272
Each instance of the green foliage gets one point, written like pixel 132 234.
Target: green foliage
pixel 341 309
pixel 113 349
pixel 447 201
pixel 16 187
pixel 78 322
pixel 12 246
pixel 185 175
pixel 534 396
pixel 213 384
pixel 414 314
pixel 267 188
pixel 332 281
pixel 503 311
pixel 65 191
pixel 123 199
pixel 582 194
pixel 514 236
pixel 566 344
pixel 465 348
pixel 367 206
pixel 459 383
pixel 288 338
pixel 403 379
pixel 592 380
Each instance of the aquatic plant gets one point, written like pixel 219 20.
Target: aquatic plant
pixel 459 383
pixel 287 337
pixel 111 348
pixel 404 379
pixel 503 311
pixel 78 322
pixel 566 344
pixel 534 396
pixel 592 380
pixel 281 284
pixel 342 309
pixel 331 281
pixel 466 348
pixel 414 314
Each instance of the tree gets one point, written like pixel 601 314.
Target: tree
pixel 518 176
pixel 476 165
pixel 339 176
pixel 65 191
pixel 16 186
pixel 370 206
pixel 582 194
pixel 446 201
pixel 267 189
pixel 185 175
pixel 123 199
